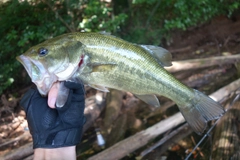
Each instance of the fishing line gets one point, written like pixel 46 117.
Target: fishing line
pixel 208 132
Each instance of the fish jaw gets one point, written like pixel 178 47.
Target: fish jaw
pixel 38 74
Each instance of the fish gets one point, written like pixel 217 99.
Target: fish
pixel 105 61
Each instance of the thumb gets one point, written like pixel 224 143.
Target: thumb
pixel 52 95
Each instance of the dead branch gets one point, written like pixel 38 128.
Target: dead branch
pixel 225 91
pixel 118 130
pixel 58 16
pixel 113 107
pixel 132 143
pixel 8 105
pixel 202 63
pixel 19 153
pixel 181 49
pixel 25 135
pixel 169 140
pixel 226 136
pixel 94 106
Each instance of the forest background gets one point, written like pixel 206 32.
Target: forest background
pixel 204 31
pixel 25 23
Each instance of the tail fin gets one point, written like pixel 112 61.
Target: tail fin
pixel 203 109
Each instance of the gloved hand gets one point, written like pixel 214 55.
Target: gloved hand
pixel 53 128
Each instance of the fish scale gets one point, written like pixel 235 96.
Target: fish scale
pixel 143 68
pixel 110 62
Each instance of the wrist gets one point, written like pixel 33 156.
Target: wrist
pixel 58 139
pixel 55 153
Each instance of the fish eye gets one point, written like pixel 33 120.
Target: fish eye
pixel 42 52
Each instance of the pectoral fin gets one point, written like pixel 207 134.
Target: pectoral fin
pixel 102 67
pixel 101 88
pixel 149 99
pixel 163 56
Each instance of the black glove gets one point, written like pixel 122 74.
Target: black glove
pixel 53 128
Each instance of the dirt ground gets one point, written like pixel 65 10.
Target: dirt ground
pixel 218 37
pixel 214 38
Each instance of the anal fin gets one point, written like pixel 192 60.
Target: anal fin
pixel 149 99
pixel 101 88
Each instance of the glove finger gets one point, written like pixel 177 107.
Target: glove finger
pixel 78 88
pixel 73 85
pixel 39 115
pixel 26 99
pixel 76 94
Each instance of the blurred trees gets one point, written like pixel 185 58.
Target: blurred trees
pixel 25 23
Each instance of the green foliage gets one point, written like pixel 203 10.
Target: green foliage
pixel 164 16
pixel 190 13
pixel 27 23
pixel 22 25
pixel 98 17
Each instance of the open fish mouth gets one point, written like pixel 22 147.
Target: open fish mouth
pixel 38 73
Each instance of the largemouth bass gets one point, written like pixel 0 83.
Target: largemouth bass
pixel 103 61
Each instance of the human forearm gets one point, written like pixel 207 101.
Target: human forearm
pixel 62 153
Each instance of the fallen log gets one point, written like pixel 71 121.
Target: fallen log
pixel 202 63
pixel 25 135
pixel 130 144
pixel 94 106
pixel 168 140
pixel 113 107
pixel 226 136
pixel 225 91
pixel 19 153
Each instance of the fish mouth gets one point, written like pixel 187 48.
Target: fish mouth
pixel 38 74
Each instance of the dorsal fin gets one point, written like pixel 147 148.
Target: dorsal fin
pixel 105 33
pixel 163 56
pixel 108 34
